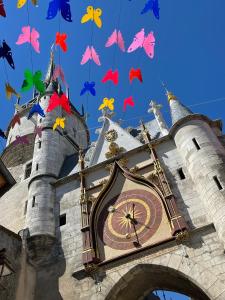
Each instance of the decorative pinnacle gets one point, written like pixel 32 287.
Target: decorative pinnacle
pixel 170 96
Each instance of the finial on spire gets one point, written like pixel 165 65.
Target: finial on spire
pixel 170 95
pixel 106 113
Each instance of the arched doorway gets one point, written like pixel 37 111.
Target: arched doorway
pixel 140 281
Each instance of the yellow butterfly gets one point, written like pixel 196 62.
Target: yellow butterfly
pixel 107 103
pixel 9 91
pixel 21 3
pixel 93 15
pixel 59 122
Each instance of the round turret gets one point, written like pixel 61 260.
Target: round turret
pixel 204 156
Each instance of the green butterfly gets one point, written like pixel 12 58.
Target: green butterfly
pixel 33 80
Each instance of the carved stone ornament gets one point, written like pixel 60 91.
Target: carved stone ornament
pixel 114 150
pixel 182 236
pixel 111 135
pixel 134 169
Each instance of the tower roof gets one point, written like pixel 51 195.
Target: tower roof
pixel 51 67
pixel 177 109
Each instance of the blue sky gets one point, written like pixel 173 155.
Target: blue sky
pixel 189 55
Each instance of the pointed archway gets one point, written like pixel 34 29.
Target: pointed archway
pixel 145 278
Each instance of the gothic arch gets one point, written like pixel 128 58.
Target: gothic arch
pixel 169 272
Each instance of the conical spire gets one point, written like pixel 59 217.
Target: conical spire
pixel 177 109
pixel 51 67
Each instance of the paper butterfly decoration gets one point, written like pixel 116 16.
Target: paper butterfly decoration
pixel 59 122
pixel 90 53
pixel 93 15
pixel 152 5
pixel 21 3
pixel 116 38
pixel 135 73
pixel 5 52
pixel 2 134
pixel 59 5
pixel 16 119
pixel 21 140
pixel 33 80
pixel 36 108
pixel 128 101
pixel 38 131
pixel 60 40
pixel 59 100
pixel 10 91
pixel 140 41
pixel 107 103
pixel 2 9
pixel 58 72
pixel 110 75
pixel 29 36
pixel 88 87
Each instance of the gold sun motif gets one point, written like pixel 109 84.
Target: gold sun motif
pixel 128 216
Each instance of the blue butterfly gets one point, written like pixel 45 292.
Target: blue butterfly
pixel 59 5
pixel 88 87
pixel 36 108
pixel 2 134
pixel 152 5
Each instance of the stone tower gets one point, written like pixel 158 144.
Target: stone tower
pixel 196 138
pixel 138 210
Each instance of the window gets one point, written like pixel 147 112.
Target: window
pixel 39 144
pixel 215 178
pixel 40 120
pixel 33 201
pixel 196 144
pixel 28 170
pixel 25 208
pixel 74 132
pixel 62 220
pixel 181 173
pixel 37 167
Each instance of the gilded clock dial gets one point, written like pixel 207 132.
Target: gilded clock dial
pixel 130 219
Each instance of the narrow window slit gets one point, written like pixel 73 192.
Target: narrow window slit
pixel 215 178
pixel 181 174
pixel 62 220
pixel 196 144
pixel 33 201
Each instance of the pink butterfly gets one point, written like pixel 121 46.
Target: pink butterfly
pixel 58 72
pixel 140 41
pixel 28 36
pixel 116 38
pixel 90 53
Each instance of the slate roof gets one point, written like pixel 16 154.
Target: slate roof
pixel 178 110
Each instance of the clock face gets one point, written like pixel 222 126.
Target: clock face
pixel 130 219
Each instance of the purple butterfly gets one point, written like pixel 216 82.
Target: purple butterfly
pixel 88 87
pixel 36 108
pixel 5 52
pixel 59 5
pixel 21 140
pixel 2 134
pixel 38 131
